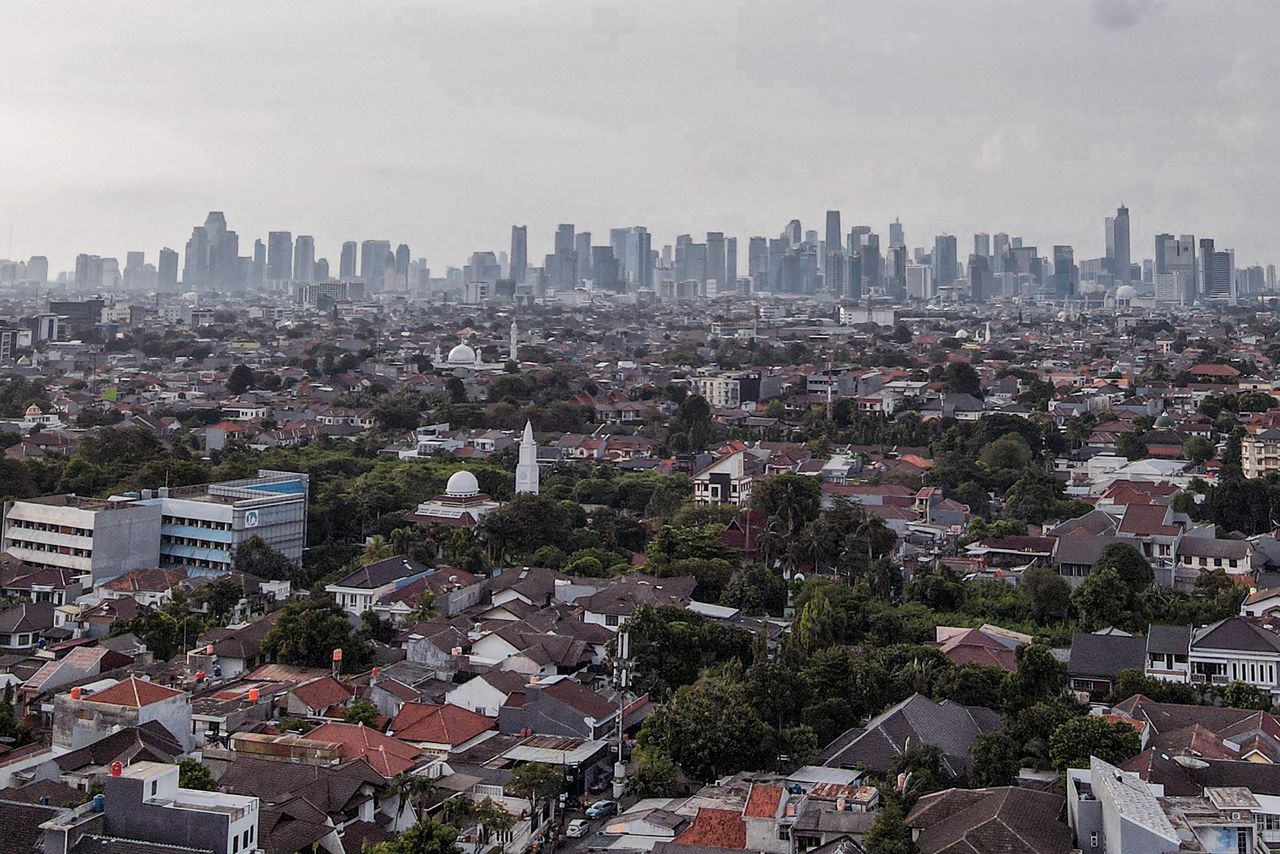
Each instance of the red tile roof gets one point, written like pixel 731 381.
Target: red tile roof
pixel 763 802
pixel 716 829
pixel 447 724
pixel 386 755
pixel 134 693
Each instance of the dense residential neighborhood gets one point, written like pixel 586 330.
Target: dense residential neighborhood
pixel 599 579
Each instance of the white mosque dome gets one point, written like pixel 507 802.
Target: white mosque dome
pixel 462 355
pixel 462 484
pixel 1128 292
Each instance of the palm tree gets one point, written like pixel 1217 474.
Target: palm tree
pixel 413 790
pixel 424 609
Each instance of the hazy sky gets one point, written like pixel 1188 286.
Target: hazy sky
pixel 442 123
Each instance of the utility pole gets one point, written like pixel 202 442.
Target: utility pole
pixel 621 680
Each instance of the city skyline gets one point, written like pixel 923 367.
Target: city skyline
pixel 927 123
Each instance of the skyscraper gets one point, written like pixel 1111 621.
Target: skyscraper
pixel 167 271
pixel 403 259
pixel 38 269
pixel 258 268
pixel 1065 276
pixel 347 262
pixel 375 258
pixel 134 262
pixel 715 260
pixel 1166 247
pixel 1118 254
pixel 1000 252
pixel 519 264
pixel 896 237
pixel 982 244
pixel 758 263
pixel 730 264
pixel 304 259
pixel 896 268
pixel 945 264
pixel 834 236
pixel 980 280
pixel 582 256
pixel 279 256
pixel 563 265
pixel 794 234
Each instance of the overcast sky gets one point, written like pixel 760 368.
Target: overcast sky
pixel 440 124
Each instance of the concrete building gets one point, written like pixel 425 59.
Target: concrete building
pixel 732 389
pixel 81 718
pixel 201 527
pixel 95 538
pixel 198 527
pixel 1260 453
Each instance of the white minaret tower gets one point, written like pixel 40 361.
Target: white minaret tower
pixel 515 343
pixel 527 468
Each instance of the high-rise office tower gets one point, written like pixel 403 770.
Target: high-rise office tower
pixel 871 264
pixel 1065 275
pixel 279 256
pixel 896 269
pixel 793 233
pixel 38 269
pixel 134 264
pixel 852 274
pixel 945 263
pixel 403 259
pixel 896 236
pixel 1118 253
pixel 167 271
pixel 758 263
pixel 375 259
pixel 195 264
pixel 980 278
pixel 347 262
pixel 730 264
pixel 604 269
pixel 258 267
pixel 999 252
pixel 1166 247
pixel 834 236
pixel 582 256
pixel 982 244
pixel 322 269
pixel 519 263
pixel 563 267
pixel 304 259
pixel 715 263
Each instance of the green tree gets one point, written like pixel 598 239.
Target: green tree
pixel 536 782
pixel 1242 695
pixel 361 712
pixel 1039 677
pixel 240 379
pixel 671 646
pixel 308 631
pixel 654 775
pixel 413 791
pixel 1046 593
pixel 755 590
pixel 1198 450
pixel 8 718
pixel 962 378
pixel 424 608
pixel 428 836
pixel 709 729
pixel 1075 741
pixel 996 759
pixel 1102 600
pixel 1132 681
pixel 254 557
pixel 1128 563
pixel 1008 453
pixel 889 834
pixel 1131 445
pixel 792 498
pixel 195 775
pixel 220 597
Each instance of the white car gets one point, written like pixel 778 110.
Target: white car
pixel 577 828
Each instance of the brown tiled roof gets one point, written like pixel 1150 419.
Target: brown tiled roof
pixel 133 693
pixel 715 828
pixel 447 724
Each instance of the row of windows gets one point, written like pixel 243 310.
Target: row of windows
pixel 196 523
pixel 71 530
pixel 171 540
pixel 37 546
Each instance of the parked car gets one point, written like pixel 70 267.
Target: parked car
pixel 602 809
pixel 577 828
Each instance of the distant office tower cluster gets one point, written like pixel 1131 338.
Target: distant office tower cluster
pixel 842 262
